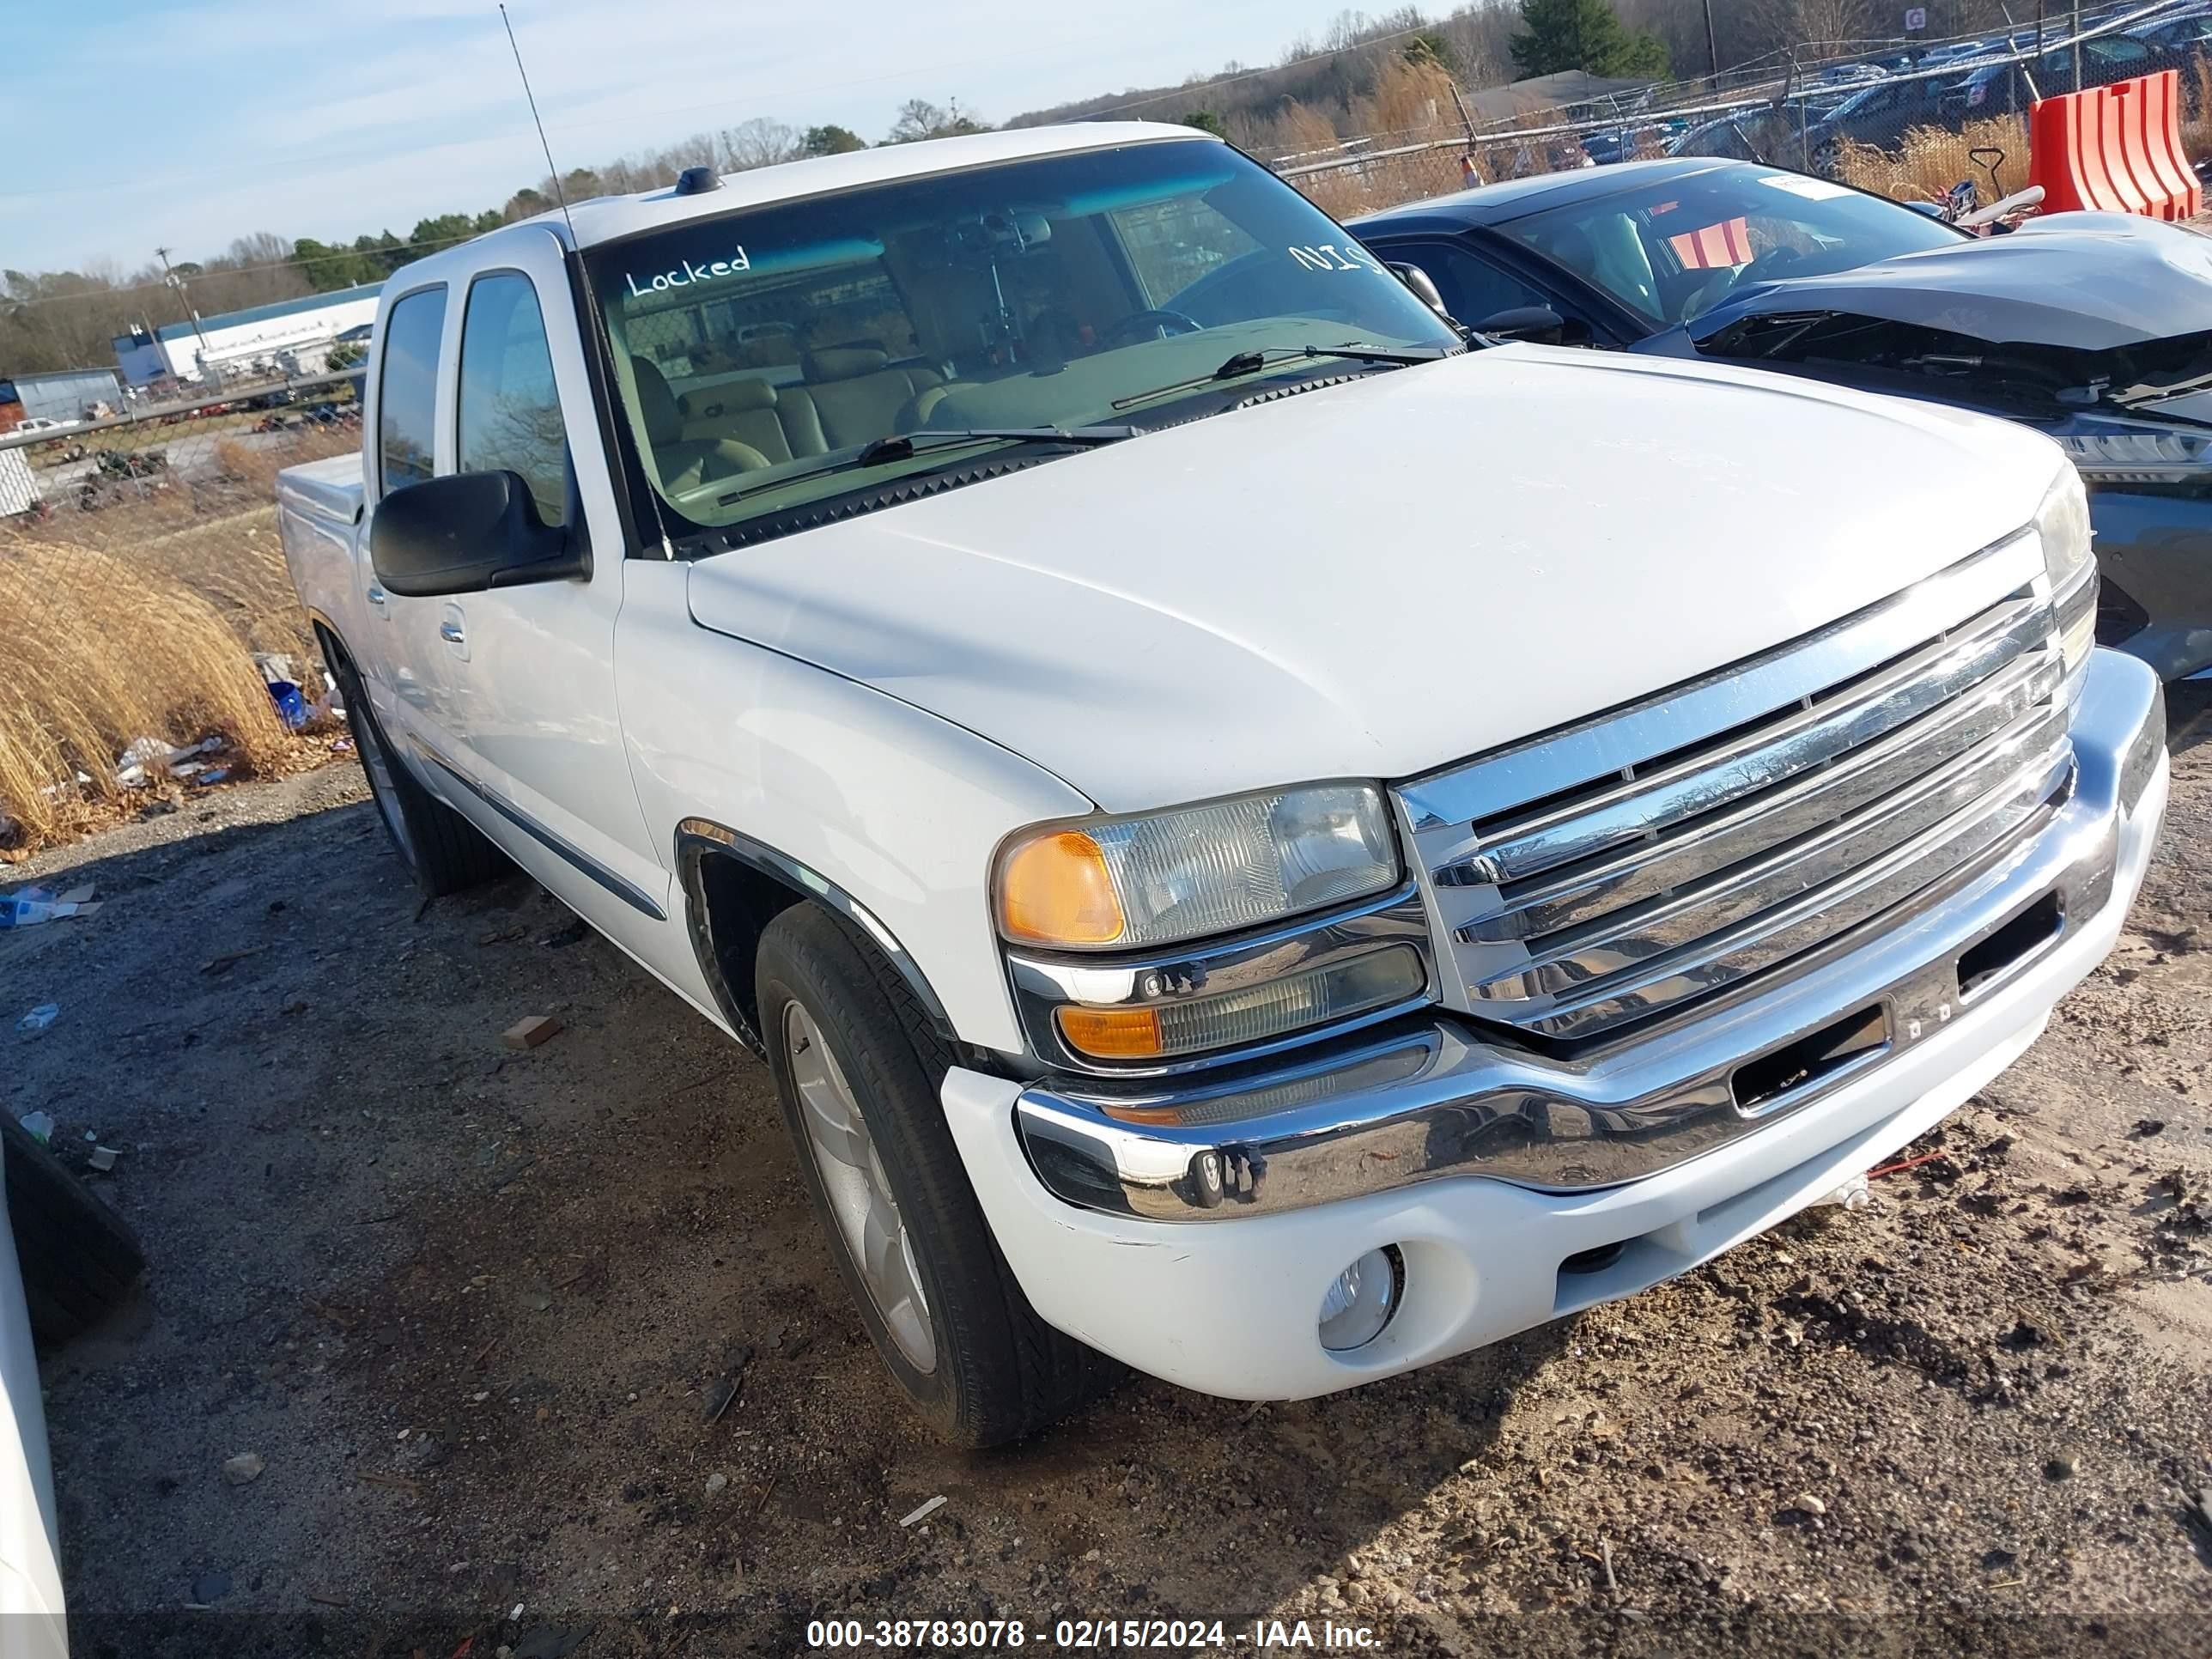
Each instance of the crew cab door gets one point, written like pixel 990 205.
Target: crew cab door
pixel 524 725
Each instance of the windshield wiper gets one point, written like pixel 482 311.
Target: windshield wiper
pixel 903 446
pixel 898 448
pixel 1251 362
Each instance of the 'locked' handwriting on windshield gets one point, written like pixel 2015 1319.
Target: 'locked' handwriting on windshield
pixel 688 273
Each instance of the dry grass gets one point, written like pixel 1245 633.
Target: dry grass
pixel 1368 185
pixel 2196 106
pixel 236 564
pixel 1410 101
pixel 1928 161
pixel 102 653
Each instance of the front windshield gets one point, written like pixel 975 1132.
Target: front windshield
pixel 761 353
pixel 1670 250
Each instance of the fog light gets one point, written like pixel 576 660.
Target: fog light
pixel 1359 1303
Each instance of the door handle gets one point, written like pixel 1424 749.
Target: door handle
pixel 376 596
pixel 453 629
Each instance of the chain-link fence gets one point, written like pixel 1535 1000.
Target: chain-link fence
pixel 1896 118
pixel 146 605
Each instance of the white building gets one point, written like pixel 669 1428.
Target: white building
pixel 292 336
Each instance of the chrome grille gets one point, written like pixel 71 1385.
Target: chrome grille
pixel 1628 864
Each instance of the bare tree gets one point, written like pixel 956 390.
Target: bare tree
pixel 759 143
pixel 1815 26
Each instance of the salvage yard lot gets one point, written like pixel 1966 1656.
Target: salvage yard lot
pixel 474 1310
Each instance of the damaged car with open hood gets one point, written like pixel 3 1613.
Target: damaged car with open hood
pixel 2094 328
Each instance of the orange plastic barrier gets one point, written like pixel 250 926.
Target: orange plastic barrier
pixel 2115 149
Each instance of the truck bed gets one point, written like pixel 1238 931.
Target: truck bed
pixel 319 507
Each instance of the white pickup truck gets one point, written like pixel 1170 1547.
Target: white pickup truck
pixel 1260 838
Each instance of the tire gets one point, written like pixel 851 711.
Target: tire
pixel 442 850
pixel 995 1371
pixel 78 1257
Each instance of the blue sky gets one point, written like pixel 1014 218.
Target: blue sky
pixel 133 124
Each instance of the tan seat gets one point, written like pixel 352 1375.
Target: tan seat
pixel 858 391
pixel 683 462
pixel 781 423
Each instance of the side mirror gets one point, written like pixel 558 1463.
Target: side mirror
pixel 467 532
pixel 1539 323
pixel 1424 286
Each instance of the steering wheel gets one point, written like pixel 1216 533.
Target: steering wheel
pixel 1128 330
pixel 1775 262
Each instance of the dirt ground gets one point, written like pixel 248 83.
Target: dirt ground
pixel 471 1309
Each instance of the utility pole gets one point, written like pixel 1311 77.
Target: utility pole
pixel 1465 119
pixel 1712 50
pixel 192 311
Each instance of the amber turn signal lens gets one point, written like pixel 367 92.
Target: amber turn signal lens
pixel 1055 890
pixel 1112 1033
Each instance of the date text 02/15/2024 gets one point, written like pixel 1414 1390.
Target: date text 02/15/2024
pixel 1259 1635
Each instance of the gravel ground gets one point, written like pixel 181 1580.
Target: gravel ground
pixel 471 1308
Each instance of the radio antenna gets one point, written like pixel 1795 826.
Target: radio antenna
pixel 559 194
pixel 582 278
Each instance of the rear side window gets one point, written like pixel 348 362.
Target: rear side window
pixel 407 393
pixel 510 414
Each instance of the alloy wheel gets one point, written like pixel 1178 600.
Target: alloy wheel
pixel 859 1192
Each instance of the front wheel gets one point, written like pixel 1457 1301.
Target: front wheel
pixel 857 1067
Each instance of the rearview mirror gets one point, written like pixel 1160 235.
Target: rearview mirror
pixel 1424 286
pixel 469 531
pixel 1538 323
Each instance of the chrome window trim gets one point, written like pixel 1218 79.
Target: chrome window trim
pixel 1043 982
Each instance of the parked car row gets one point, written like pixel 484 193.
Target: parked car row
pixel 1979 79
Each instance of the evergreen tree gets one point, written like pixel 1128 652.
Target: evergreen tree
pixel 830 140
pixel 1583 35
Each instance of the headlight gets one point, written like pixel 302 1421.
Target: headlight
pixel 1126 883
pixel 2118 451
pixel 2062 525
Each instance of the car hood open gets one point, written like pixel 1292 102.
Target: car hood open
pixel 2085 281
pixel 1373 579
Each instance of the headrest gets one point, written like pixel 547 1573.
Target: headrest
pixel 734 398
pixel 656 403
pixel 844 362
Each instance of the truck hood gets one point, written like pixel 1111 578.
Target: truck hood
pixel 2088 282
pixel 1373 579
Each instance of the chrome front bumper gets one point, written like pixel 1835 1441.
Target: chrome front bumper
pixel 1444 1098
